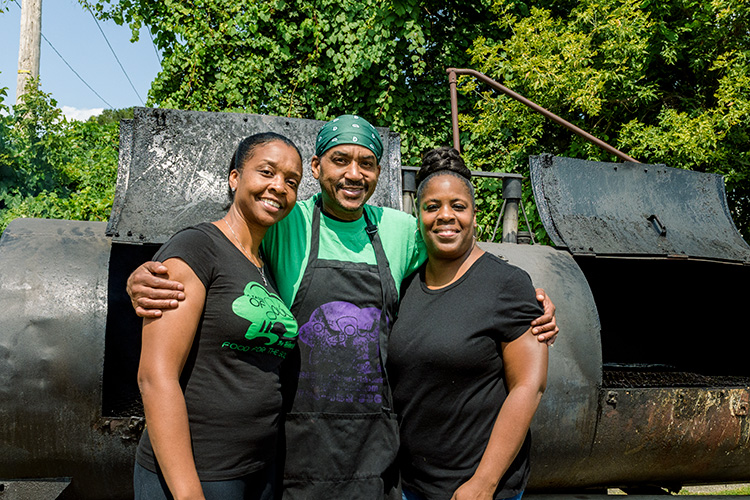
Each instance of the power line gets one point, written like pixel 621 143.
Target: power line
pixel 148 30
pixel 76 73
pixel 69 66
pixel 113 53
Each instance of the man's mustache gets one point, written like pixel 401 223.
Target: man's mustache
pixel 343 185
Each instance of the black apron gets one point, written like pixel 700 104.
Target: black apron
pixel 341 434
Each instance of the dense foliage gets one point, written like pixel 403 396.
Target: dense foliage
pixel 112 116
pixel 667 82
pixel 384 60
pixel 53 168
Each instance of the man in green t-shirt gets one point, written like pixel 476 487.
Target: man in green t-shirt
pixel 338 264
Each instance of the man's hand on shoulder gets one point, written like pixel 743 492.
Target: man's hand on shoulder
pixel 151 290
pixel 545 327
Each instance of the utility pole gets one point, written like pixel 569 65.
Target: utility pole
pixel 30 44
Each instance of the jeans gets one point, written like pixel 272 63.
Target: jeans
pixel 410 495
pixel 255 486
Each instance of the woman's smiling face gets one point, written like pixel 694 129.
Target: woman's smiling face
pixel 267 183
pixel 446 217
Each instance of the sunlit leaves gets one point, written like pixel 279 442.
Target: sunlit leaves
pixel 52 168
pixel 667 82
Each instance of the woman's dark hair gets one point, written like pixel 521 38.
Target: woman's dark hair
pixel 246 149
pixel 443 161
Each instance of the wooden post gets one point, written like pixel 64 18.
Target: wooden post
pixel 30 44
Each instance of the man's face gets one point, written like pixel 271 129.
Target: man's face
pixel 348 175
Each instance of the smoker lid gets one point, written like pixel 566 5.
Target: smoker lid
pixel 635 210
pixel 173 168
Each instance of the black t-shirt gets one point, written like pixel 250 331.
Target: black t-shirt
pixel 231 377
pixel 446 368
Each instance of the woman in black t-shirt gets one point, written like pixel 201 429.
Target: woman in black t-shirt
pixel 467 372
pixel 209 370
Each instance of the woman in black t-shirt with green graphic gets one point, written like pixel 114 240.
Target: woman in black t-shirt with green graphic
pixel 209 370
pixel 467 372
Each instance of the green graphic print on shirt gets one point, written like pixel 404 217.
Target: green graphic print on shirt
pixel 269 319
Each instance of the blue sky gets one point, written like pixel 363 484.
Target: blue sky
pixel 73 32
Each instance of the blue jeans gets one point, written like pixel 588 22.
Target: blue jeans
pixel 256 486
pixel 410 495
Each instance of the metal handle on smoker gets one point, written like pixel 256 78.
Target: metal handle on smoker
pixel 660 228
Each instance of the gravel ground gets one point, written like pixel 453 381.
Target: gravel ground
pixel 712 489
pixel 707 489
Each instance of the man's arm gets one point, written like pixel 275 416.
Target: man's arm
pixel 545 326
pixel 151 291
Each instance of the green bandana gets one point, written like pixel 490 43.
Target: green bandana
pixel 349 129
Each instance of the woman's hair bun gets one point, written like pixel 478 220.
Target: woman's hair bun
pixel 441 159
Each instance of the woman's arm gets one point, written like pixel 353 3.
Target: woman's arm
pixel 166 344
pixel 525 361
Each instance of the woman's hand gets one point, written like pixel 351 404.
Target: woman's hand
pixel 545 327
pixel 474 489
pixel 150 291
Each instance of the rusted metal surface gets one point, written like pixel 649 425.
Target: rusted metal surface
pixel 618 377
pixel 659 437
pixel 678 436
pixel 452 83
pixel 452 72
pixel 174 170
pixel 633 210
pixel 126 429
pixel 656 495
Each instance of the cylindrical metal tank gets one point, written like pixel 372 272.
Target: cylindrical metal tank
pixel 565 425
pixel 666 269
pixel 53 304
pixel 648 381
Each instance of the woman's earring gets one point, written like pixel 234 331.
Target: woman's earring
pixel 233 190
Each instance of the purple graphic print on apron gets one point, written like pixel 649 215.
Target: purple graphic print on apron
pixel 338 328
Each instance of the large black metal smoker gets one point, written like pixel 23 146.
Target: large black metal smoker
pixel 648 381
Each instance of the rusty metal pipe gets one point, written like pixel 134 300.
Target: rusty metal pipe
pixel 454 108
pixel 452 80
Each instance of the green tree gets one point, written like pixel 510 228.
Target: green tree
pixel 667 82
pixel 382 59
pixel 52 168
pixel 112 116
